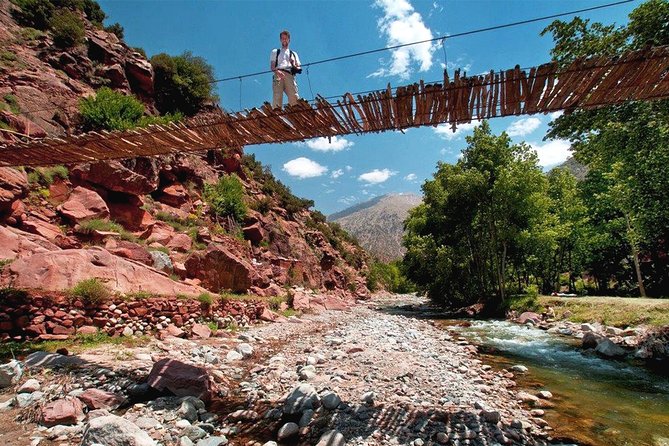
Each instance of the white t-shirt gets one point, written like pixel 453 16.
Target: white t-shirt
pixel 284 61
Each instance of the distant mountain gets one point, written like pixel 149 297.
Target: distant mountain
pixel 378 223
pixel 577 169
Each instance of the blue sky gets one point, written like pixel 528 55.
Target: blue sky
pixel 236 37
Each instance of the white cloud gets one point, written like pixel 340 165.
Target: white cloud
pixel 337 173
pixel 553 152
pixel 376 176
pixel 402 24
pixel 444 130
pixel 411 177
pixel 304 168
pixel 348 200
pixel 336 144
pixel 329 191
pixel 523 126
pixel 348 168
pixel 553 116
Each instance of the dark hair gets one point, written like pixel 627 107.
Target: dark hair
pixel 286 33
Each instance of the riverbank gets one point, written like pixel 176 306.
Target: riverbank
pixel 365 376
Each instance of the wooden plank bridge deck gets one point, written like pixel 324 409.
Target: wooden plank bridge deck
pixel 584 84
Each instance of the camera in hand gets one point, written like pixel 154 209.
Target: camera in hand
pixel 294 71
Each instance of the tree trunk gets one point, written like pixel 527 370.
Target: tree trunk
pixel 635 257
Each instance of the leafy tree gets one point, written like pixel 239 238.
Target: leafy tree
pixel 182 83
pixel 626 148
pixel 68 29
pixel 93 11
pixel 462 241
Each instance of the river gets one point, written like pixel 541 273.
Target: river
pixel 598 402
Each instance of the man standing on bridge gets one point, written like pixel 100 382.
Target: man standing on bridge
pixel 285 64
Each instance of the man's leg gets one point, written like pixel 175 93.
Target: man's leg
pixel 277 92
pixel 291 89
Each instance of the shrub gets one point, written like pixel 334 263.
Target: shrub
pixel 91 291
pixel 34 13
pixel 140 50
pixel 109 110
pixel 97 224
pixel 226 198
pixel 46 175
pixel 263 205
pixel 11 102
pixel 68 29
pixel 182 83
pixel 388 276
pixel 117 29
pixel 206 299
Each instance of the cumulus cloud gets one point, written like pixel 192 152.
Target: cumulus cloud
pixel 411 177
pixel 336 144
pixel 523 126
pixel 553 152
pixel 304 168
pixel 444 130
pixel 401 24
pixel 348 200
pixel 553 116
pixel 348 168
pixel 376 176
pixel 337 173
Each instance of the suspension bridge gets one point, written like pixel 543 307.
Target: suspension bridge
pixel 587 83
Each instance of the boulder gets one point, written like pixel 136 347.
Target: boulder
pixel 301 398
pixel 590 339
pixel 530 317
pixel 140 75
pixel 47 230
pixel 608 348
pixel 10 373
pixel 13 186
pixel 111 430
pixel 219 268
pixel 127 210
pixel 113 176
pixel 84 204
pixel 174 195
pixel 181 379
pixel 115 74
pixel 255 233
pixel 100 399
pixel 60 270
pixel 180 243
pixel 161 261
pixel 201 331
pixel 331 438
pixel 160 232
pixel 63 411
pixel 129 250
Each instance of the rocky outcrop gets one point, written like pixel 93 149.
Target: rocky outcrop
pixel 61 270
pixel 84 204
pixel 13 186
pixel 221 268
pixel 114 176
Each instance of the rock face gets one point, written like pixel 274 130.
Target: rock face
pixel 220 268
pixel 181 379
pixel 13 186
pixel 84 204
pixel 64 269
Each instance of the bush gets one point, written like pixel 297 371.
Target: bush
pixel 34 13
pixel 182 83
pixel 140 50
pixel 46 175
pixel 206 299
pixel 109 110
pixel 93 11
pixel 91 291
pixel 388 276
pixel 117 29
pixel 68 29
pixel 226 198
pixel 263 205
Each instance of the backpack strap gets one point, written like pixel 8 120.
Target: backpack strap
pixel 276 60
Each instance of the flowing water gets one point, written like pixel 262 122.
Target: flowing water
pixel 597 401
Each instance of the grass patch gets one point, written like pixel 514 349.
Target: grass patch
pixel 616 311
pixel 181 225
pixel 206 299
pixel 289 312
pixel 274 303
pixel 241 297
pixel 45 176
pixel 77 344
pixel 213 326
pixel 138 295
pixel 11 102
pixel 98 224
pixel 91 291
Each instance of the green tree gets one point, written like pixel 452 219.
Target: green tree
pixel 626 148
pixel 466 236
pixel 34 13
pixel 226 198
pixel 116 29
pixel 182 83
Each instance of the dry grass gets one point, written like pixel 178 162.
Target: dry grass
pixel 616 311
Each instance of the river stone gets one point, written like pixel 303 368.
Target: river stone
pixel 185 441
pixel 213 441
pixel 608 348
pixel 590 339
pixel 519 368
pixel 245 349
pixel 288 430
pixel 27 399
pixel 330 400
pixel 368 398
pixel 587 327
pixel 306 418
pixel 194 432
pixel 115 431
pixel 10 373
pixel 233 356
pixel 527 398
pixel 30 386
pixel 545 394
pixel 271 443
pixel 331 438
pixel 301 398
pixel 442 437
pixel 307 372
